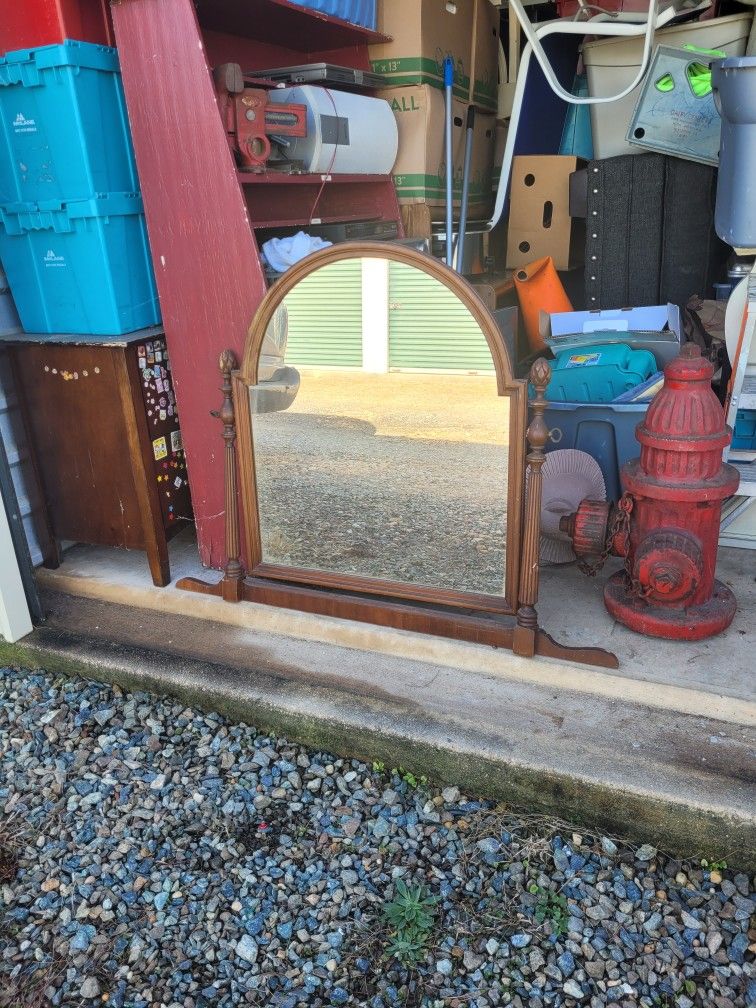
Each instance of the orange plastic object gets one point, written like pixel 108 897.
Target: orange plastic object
pixel 539 289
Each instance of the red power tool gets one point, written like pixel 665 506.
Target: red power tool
pixel 250 120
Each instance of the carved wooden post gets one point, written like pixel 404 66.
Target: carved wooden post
pixel 524 642
pixel 233 572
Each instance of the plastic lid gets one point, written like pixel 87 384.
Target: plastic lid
pixel 737 63
pixel 98 205
pixel 70 52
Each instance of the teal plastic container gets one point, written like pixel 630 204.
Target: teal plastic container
pixel 744 435
pixel 598 374
pixel 64 131
pixel 577 135
pixel 80 267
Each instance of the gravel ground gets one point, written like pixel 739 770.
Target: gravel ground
pixel 156 855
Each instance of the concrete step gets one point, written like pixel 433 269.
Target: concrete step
pixel 665 773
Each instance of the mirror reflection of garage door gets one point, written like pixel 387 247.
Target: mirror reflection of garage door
pixel 325 317
pixel 429 328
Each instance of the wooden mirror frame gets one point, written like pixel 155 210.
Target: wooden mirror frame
pixel 503 621
pixel 506 385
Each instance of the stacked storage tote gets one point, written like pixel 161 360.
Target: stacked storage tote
pixel 72 234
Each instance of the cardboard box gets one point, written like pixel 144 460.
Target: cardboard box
pixel 656 328
pixel 420 169
pixel 501 131
pixel 484 68
pixel 424 32
pixel 484 143
pixel 539 214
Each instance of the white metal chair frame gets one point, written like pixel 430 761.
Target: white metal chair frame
pixel 596 26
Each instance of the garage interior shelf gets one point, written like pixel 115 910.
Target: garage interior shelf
pixel 203 213
pixel 306 179
pixel 282 22
pixel 277 223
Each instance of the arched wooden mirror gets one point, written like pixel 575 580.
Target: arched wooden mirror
pixel 382 453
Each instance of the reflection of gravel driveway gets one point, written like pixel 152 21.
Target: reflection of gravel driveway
pixel 338 494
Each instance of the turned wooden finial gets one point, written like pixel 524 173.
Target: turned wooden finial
pixel 538 432
pixel 233 572
pixel 227 363
pixel 231 586
pixel 537 435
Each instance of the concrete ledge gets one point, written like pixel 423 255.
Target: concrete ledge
pixel 675 780
pixel 250 617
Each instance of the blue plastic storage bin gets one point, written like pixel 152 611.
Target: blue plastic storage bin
pixel 744 435
pixel 80 267
pixel 359 12
pixel 64 133
pixel 577 135
pixel 607 432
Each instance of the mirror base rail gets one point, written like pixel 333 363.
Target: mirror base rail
pixel 520 634
pixel 478 628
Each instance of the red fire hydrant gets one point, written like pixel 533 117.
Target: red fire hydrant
pixel 667 523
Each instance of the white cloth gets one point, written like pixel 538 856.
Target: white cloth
pixel 281 253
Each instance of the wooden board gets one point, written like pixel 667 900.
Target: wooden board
pixel 200 215
pixel 204 252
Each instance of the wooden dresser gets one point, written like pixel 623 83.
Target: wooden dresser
pixel 103 425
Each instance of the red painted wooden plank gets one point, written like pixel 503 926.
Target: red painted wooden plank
pixel 205 256
pixel 255 55
pixel 249 53
pixel 319 202
pixel 282 179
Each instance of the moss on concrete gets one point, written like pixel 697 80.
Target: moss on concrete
pixel 682 830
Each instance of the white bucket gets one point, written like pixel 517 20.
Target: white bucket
pixel 611 64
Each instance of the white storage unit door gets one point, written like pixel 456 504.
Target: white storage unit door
pixel 429 328
pixel 23 474
pixel 15 621
pixel 325 317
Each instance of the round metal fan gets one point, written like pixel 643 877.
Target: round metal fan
pixel 569 476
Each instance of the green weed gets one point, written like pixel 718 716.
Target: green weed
pixel 409 778
pixel 713 865
pixel 550 906
pixel 410 915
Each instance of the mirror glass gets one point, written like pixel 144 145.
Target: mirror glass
pixel 380 442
